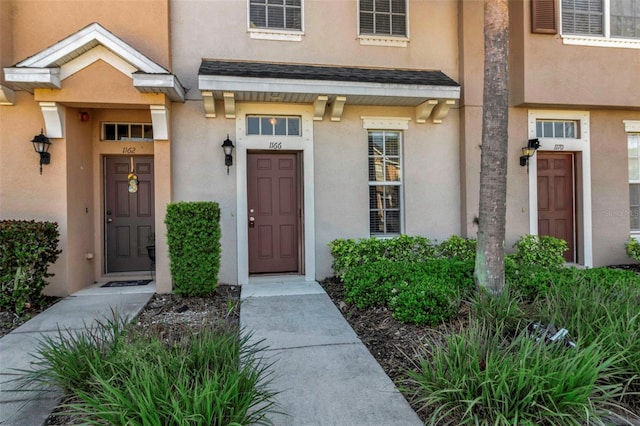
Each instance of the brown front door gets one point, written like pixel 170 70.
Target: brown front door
pixel 129 216
pixel 556 198
pixel 273 195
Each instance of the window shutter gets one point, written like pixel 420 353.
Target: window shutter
pixel 543 17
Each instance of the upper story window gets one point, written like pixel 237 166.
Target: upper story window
pixel 276 14
pixel 273 125
pixel 383 17
pixel 127 132
pixel 615 21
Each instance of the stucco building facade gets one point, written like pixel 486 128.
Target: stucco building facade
pixel 349 119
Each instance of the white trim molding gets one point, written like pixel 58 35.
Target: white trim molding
pixel 302 143
pixel 160 122
pixel 582 145
pixel 631 126
pixel 386 123
pixel 278 35
pixel 388 41
pixel 601 42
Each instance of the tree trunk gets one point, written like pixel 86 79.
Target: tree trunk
pixel 489 268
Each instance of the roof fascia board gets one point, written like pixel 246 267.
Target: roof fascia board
pixel 346 88
pixel 43 77
pixel 159 83
pixel 85 36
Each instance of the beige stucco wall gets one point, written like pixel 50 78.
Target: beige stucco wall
pixel 218 29
pixel 24 193
pixel 199 173
pixel 552 73
pixel 144 24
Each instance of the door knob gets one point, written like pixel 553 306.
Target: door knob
pixel 109 220
pixel 252 222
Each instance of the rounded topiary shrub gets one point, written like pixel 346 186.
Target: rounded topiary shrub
pixel 193 236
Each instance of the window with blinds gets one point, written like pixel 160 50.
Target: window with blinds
pixel 603 18
pixel 385 183
pixel 276 14
pixel 633 143
pixel 383 17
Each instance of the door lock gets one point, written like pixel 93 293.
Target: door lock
pixel 252 222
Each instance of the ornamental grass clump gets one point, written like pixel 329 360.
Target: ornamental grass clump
pixel 119 376
pixel 484 376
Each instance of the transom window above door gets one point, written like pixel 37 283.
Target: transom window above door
pixel 273 125
pixel 557 129
pixel 276 14
pixel 127 132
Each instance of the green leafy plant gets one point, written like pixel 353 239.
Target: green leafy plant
pixel 118 376
pixel 27 248
pixel 456 247
pixel 540 250
pixel 482 377
pixel 193 236
pixel 430 300
pixel 349 253
pixel 633 249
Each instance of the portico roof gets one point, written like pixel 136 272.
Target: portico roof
pixel 322 85
pixel 49 67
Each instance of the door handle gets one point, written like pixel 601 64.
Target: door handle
pixel 109 220
pixel 252 222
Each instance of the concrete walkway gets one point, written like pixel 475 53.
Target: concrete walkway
pixel 324 373
pixel 72 313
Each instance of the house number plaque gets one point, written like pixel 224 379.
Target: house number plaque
pixel 129 150
pixel 558 147
pixel 275 145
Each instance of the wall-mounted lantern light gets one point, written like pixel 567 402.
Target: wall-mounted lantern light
pixel 227 147
pixel 528 151
pixel 41 144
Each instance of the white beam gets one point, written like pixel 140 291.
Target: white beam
pixel 441 110
pixel 209 104
pixel 319 106
pixel 229 105
pixel 337 106
pixel 160 122
pixel 7 96
pixel 423 111
pixel 53 115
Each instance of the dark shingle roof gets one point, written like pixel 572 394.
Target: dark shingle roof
pixel 323 72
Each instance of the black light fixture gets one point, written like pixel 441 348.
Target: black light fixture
pixel 227 147
pixel 528 151
pixel 41 144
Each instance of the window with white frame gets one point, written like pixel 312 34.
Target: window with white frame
pixel 127 132
pixel 268 125
pixel 385 182
pixel 276 14
pixel 633 144
pixel 383 17
pixel 566 129
pixel 601 18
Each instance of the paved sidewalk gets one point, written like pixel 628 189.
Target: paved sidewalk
pixel 324 373
pixel 71 313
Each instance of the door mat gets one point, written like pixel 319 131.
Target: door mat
pixel 126 283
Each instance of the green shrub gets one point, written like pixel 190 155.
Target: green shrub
pixel 540 250
pixel 482 378
pixel 426 300
pixel 633 249
pixel 426 292
pixel 458 248
pixel 529 280
pixel 27 248
pixel 193 236
pixel 349 253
